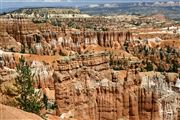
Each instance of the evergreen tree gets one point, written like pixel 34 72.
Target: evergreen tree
pixel 28 99
pixel 149 66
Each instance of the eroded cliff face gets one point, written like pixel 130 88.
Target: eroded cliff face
pixel 85 87
pixel 80 80
pixel 25 36
pixel 88 89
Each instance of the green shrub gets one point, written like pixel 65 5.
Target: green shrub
pixel 149 66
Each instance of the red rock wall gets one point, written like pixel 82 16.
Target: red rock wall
pixel 94 92
pixel 44 39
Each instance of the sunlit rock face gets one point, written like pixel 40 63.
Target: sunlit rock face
pixel 80 41
pixel 43 75
pixel 86 88
pixel 22 35
pixel 9 113
pixel 178 83
pixel 83 85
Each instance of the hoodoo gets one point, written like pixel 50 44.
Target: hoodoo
pixel 95 64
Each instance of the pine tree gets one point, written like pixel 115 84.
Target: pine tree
pixel 28 99
pixel 149 66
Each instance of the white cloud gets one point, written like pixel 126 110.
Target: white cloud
pixel 93 5
pixel 110 5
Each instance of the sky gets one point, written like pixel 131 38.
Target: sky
pixel 82 0
pixel 6 5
